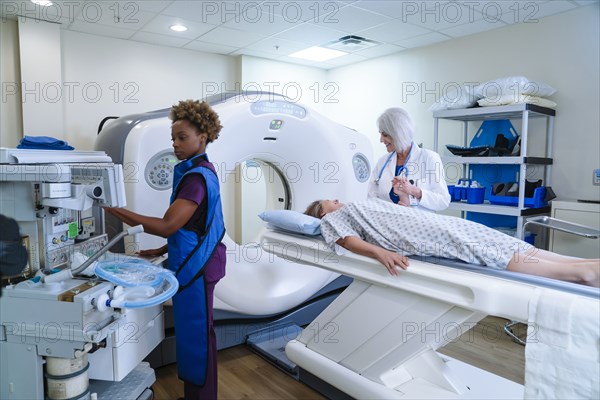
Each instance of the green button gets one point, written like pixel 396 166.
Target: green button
pixel 73 230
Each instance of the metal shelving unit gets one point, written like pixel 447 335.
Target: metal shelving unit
pixel 523 112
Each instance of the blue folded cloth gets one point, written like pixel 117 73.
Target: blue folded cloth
pixel 43 143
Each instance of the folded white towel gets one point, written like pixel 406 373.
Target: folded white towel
pixel 511 98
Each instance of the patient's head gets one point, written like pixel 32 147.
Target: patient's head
pixel 320 208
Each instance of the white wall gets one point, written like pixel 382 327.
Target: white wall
pixel 11 123
pixel 41 77
pixel 305 85
pixel 117 77
pixel 561 50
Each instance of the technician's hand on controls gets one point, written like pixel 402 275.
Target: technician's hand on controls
pixel 392 260
pixel 153 252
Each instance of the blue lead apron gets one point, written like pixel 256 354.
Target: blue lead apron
pixel 189 252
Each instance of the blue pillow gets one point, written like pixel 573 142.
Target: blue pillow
pixel 292 221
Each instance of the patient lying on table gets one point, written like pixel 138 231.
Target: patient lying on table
pixel 388 233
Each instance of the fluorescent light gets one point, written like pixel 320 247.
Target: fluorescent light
pixel 43 3
pixel 317 53
pixel 178 28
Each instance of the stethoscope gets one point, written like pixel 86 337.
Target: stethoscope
pixel 402 168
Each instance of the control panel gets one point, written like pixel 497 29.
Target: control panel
pixel 362 169
pixel 159 170
pixel 277 107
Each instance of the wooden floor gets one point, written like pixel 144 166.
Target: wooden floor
pixel 245 375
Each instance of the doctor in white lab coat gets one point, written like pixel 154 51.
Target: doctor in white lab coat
pixel 407 170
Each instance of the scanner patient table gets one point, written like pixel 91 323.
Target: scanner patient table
pixel 378 339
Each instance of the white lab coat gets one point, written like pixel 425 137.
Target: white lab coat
pixel 425 168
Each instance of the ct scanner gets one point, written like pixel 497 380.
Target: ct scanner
pixel 271 154
pixel 276 154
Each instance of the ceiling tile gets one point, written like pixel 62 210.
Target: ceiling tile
pixel 101 30
pixel 300 11
pixel 392 9
pixel 493 11
pixel 263 23
pixel 230 37
pixel 379 51
pixel 210 47
pixel 153 5
pixel 586 2
pixel 276 46
pixel 162 40
pixel 351 19
pixel 440 15
pixel 532 14
pixel 471 28
pixel 518 11
pixel 161 25
pixel 257 27
pixel 214 12
pixel 393 32
pixel 119 15
pixel 423 40
pixel 311 34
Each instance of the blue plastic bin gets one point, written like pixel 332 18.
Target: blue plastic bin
pixel 475 195
pixel 536 201
pixel 455 192
pixel 451 192
pixel 460 192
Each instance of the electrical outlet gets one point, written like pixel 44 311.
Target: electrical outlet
pixel 597 177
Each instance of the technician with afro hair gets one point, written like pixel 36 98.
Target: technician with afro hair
pixel 194 228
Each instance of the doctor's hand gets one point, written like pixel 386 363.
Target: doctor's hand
pixel 402 185
pixel 391 261
pixel 401 191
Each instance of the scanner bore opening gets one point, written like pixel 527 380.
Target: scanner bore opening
pixel 254 186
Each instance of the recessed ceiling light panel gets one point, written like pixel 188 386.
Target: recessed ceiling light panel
pixel 178 28
pixel 43 3
pixel 317 53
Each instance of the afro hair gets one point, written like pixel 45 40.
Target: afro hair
pixel 199 114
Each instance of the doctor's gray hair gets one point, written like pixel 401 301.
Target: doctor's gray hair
pixel 396 123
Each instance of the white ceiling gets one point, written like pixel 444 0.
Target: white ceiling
pixel 273 29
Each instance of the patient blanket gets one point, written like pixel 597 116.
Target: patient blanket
pixel 562 355
pixel 410 231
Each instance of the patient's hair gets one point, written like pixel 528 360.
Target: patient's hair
pixel 200 115
pixel 314 209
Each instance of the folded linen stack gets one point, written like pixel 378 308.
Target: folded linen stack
pixel 514 90
pixel 43 143
pixel 496 92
